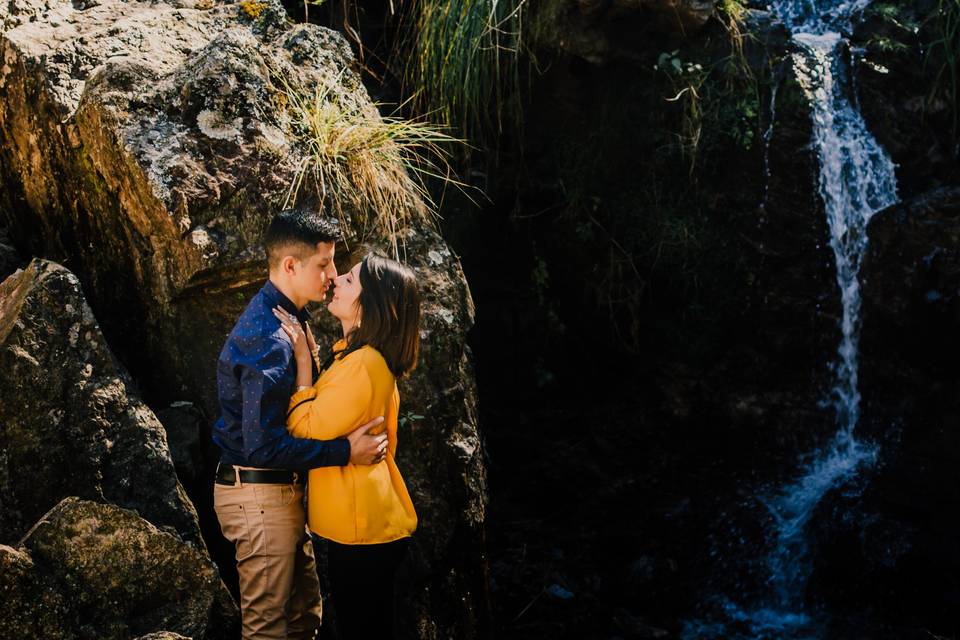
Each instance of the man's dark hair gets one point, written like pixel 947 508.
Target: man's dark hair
pixel 296 232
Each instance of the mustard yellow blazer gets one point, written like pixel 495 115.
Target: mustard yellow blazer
pixel 355 504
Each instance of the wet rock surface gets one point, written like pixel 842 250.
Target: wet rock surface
pixel 726 391
pixel 897 529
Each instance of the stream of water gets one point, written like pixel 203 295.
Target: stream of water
pixel 856 180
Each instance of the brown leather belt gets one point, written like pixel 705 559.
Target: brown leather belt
pixel 227 474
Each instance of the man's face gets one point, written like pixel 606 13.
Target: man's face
pixel 315 274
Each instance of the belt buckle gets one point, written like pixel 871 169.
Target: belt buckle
pixel 236 474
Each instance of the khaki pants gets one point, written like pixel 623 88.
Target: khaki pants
pixel 279 588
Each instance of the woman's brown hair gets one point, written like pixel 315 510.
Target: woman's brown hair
pixel 389 313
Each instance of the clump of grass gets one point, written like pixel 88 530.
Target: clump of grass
pixel 461 62
pixel 732 15
pixel 370 170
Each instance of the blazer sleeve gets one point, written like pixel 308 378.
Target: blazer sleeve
pixel 337 406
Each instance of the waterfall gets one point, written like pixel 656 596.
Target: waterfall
pixel 856 179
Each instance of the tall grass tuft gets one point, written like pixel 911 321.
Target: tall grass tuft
pixel 370 170
pixel 461 62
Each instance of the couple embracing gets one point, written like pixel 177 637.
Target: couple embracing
pixel 295 421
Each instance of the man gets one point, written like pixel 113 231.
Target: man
pixel 258 495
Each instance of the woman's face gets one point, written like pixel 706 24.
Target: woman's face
pixel 345 304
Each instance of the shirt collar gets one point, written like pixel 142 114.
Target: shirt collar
pixel 275 296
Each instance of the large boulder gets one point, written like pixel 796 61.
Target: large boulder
pixel 160 133
pixel 70 421
pixel 88 569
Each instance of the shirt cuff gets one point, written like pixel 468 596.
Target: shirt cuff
pixel 341 451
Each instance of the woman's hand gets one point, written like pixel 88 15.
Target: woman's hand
pixel 301 350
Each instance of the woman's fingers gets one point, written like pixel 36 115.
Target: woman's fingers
pixel 291 328
pixel 286 319
pixel 280 312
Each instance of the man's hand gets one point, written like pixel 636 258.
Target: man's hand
pixel 365 448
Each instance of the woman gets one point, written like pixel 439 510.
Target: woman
pixel 364 511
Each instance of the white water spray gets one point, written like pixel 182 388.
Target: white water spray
pixel 856 180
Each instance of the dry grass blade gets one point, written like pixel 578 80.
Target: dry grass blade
pixel 370 170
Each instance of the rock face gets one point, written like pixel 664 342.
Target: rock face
pixel 443 447
pixel 603 30
pixel 95 570
pixel 148 145
pixel 69 415
pixel 902 543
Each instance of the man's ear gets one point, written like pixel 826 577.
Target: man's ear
pixel 288 265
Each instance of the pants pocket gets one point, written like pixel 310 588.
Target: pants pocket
pixel 274 495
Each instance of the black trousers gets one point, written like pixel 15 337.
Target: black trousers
pixel 362 587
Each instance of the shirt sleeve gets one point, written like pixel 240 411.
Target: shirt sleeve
pixel 336 407
pixel 265 389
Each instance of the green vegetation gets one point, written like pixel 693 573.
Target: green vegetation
pixel 687 79
pixel 716 100
pixel 461 62
pixel 362 164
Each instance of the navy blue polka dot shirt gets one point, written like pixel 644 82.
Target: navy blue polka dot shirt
pixel 256 373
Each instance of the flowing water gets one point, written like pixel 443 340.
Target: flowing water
pixel 856 179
